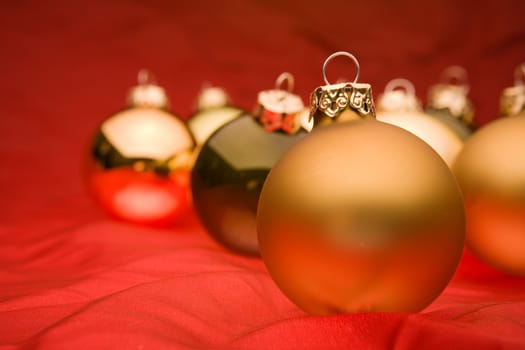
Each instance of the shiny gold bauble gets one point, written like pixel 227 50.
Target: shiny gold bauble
pixel 440 138
pixel 361 216
pixel 459 127
pixel 213 111
pixel 204 123
pixel 491 172
pixel 140 159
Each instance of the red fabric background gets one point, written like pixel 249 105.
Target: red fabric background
pixel 72 278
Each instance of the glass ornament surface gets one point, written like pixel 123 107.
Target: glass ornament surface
pixel 400 107
pixel 139 161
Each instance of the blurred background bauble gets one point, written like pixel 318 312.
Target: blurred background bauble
pixel 449 103
pixel 234 161
pixel 491 172
pixel 139 159
pixel 399 106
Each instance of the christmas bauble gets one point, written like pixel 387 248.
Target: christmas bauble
pixel 448 102
pixel 233 164
pixel 360 216
pixel 491 172
pixel 348 224
pixel 402 108
pixel 213 111
pixel 139 161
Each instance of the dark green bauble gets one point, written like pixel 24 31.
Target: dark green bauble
pixel 228 175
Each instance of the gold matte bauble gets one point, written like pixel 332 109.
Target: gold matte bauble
pixel 491 172
pixel 361 216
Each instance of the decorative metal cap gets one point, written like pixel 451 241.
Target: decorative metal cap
pixel 279 109
pixel 512 100
pixel 330 101
pixel 212 97
pixel 452 94
pixel 147 93
pixel 399 96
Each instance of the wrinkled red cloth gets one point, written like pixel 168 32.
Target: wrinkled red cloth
pixel 72 278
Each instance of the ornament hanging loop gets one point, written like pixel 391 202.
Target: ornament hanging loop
pixel 456 75
pixel 147 93
pixel 145 77
pixel 337 54
pixel 451 94
pixel 512 100
pixel 279 109
pixel 519 75
pixel 285 77
pixel 399 96
pixel 401 83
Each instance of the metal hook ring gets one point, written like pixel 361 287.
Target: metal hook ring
pixel 285 76
pixel 145 77
pixel 341 53
pixel 456 72
pixel 519 74
pixel 401 83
